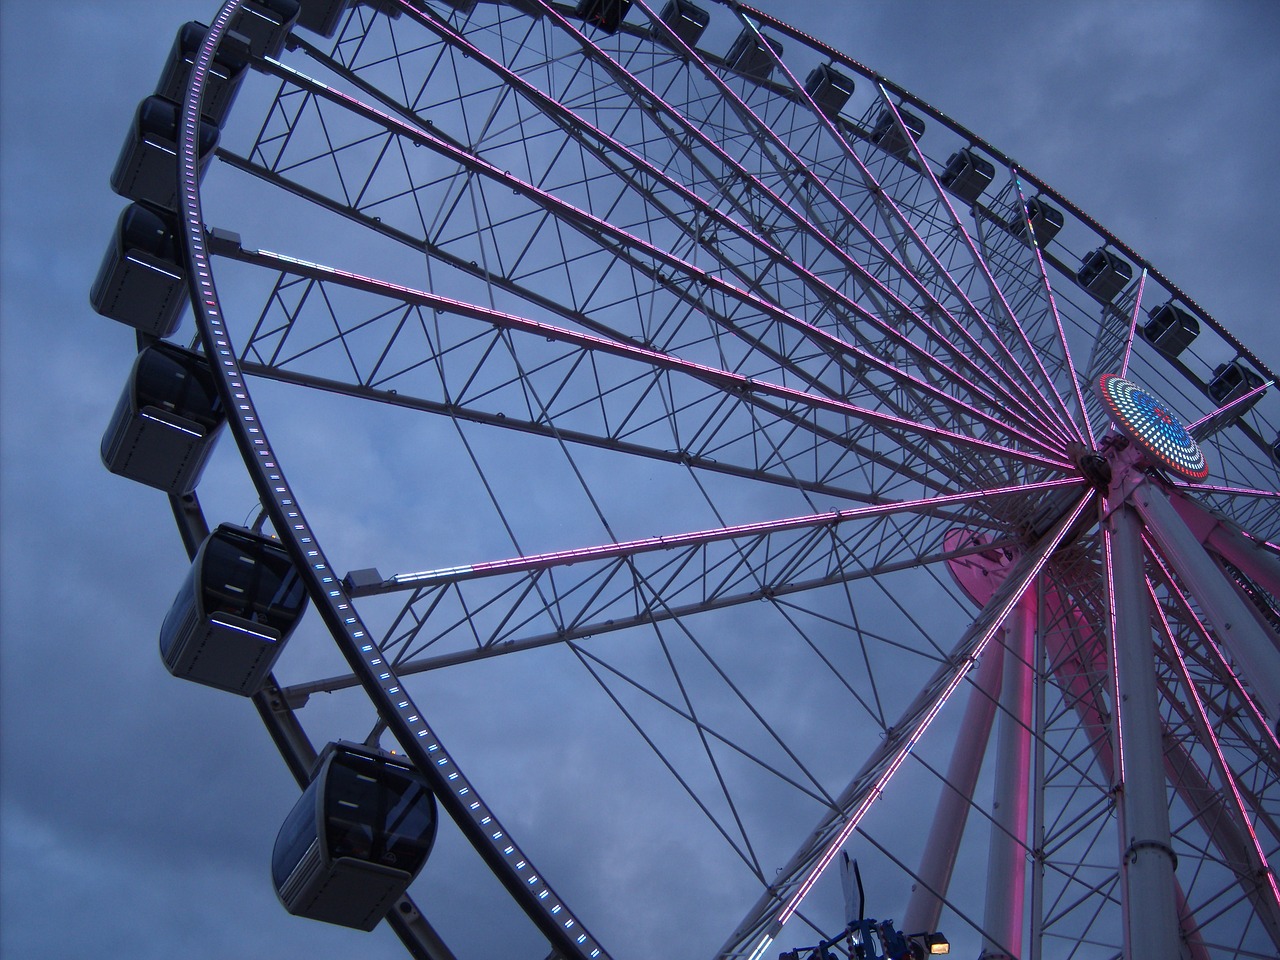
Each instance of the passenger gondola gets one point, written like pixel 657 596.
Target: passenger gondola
pixel 967 174
pixel 322 16
pixel 888 136
pixel 1104 274
pixel 829 88
pixel 1170 329
pixel 234 613
pixel 750 55
pixel 147 168
pixel 142 281
pixel 356 839
pixel 265 24
pixel 167 421
pixel 1230 382
pixel 686 20
pixel 1046 221
pixel 606 15
pixel 222 81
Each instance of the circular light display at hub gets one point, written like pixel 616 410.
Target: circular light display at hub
pixel 1148 423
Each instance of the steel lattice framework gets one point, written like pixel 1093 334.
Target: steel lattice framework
pixel 655 359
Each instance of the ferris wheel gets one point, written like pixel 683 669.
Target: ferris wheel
pixel 701 459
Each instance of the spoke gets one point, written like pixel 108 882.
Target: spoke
pixel 1259 882
pixel 797 878
pixel 1133 327
pixel 770 559
pixel 996 292
pixel 1229 491
pixel 1208 425
pixel 633 548
pixel 1057 318
pixel 602 146
pixel 726 382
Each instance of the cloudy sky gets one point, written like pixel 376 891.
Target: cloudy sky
pixel 138 812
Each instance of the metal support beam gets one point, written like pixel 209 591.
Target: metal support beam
pixel 1004 919
pixel 943 846
pixel 1225 539
pixel 1146 856
pixel 1253 651
pixel 1039 759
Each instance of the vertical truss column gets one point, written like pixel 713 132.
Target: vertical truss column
pixel 1252 650
pixel 1004 916
pixel 1146 855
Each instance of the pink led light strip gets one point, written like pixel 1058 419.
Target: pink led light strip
pixel 631 547
pixel 998 293
pixel 1133 324
pixel 1260 864
pixel 1220 658
pixel 964 661
pixel 757 185
pixel 724 379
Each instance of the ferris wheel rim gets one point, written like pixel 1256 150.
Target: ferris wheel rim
pixel 296 535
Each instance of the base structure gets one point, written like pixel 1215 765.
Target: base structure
pixel 1160 548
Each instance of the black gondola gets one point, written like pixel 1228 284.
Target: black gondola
pixel 967 174
pixel 604 14
pixel 356 838
pixel 1230 382
pixel 222 82
pixel 1104 274
pixel 1046 221
pixel 322 16
pixel 147 168
pixel 752 58
pixel 829 88
pixel 265 24
pixel 530 8
pixel 1170 329
pixel 141 281
pixel 888 136
pixel 234 613
pixel 686 20
pixel 166 422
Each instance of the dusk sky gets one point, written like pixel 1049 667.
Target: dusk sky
pixel 137 812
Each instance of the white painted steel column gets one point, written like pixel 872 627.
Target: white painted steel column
pixel 939 859
pixel 1035 925
pixel 1146 857
pixel 1250 647
pixel 1223 536
pixel 1005 919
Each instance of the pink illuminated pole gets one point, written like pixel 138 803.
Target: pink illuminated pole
pixel 1146 855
